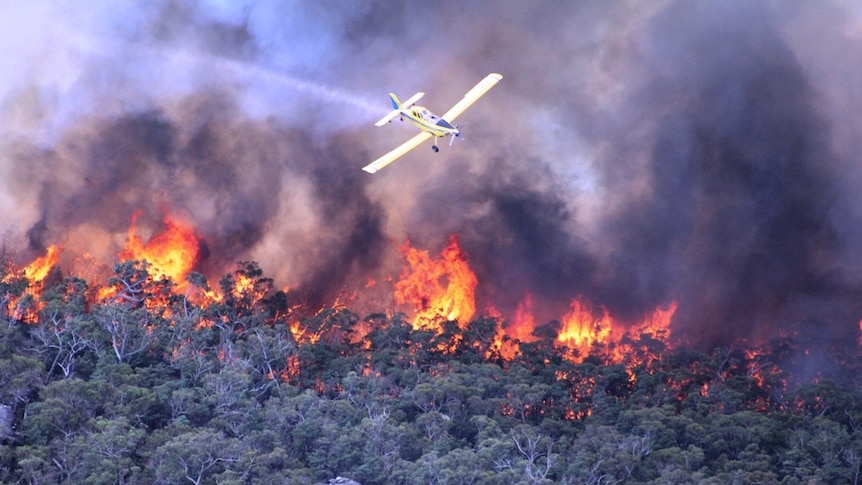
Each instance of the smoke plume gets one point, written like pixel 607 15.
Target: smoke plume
pixel 634 155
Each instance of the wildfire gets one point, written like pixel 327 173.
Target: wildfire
pixel 518 329
pixel 39 268
pixel 438 289
pixel 34 273
pixel 523 322
pixel 304 334
pixel 657 325
pixel 171 253
pixel 581 330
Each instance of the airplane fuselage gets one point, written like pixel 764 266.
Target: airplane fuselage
pixel 427 121
pixel 429 124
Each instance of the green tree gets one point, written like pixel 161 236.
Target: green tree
pixel 66 408
pixel 821 447
pixel 20 379
pixel 191 348
pixel 35 466
pixel 108 452
pixel 64 331
pixel 195 457
pixel 129 395
pixel 535 455
pixel 131 329
pixel 228 393
pixel 268 351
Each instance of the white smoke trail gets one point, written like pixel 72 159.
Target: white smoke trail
pixel 243 71
pixel 322 92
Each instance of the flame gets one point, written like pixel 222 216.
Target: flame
pixel 515 331
pixel 657 325
pixel 171 253
pixel 438 289
pixel 243 285
pixel 443 288
pixel 304 334
pixel 581 329
pixel 39 268
pixel 523 323
pixel 755 369
pixel 34 273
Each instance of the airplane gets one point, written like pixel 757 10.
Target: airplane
pixel 428 122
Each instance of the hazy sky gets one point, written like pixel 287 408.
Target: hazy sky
pixel 635 153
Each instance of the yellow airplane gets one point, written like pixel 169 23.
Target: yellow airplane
pixel 428 122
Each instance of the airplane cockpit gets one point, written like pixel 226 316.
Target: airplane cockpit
pixel 423 113
pixel 430 117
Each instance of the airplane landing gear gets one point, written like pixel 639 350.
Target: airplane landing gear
pixel 434 149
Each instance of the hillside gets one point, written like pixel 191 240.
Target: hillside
pixel 146 384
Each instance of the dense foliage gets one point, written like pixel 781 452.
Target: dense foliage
pixel 153 385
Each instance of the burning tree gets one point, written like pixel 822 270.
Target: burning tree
pixel 110 363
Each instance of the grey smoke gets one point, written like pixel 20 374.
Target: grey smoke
pixel 634 154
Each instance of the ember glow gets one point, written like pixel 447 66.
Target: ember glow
pixel 435 292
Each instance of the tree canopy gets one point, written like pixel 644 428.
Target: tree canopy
pixel 148 385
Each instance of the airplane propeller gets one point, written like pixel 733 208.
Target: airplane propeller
pixel 456 134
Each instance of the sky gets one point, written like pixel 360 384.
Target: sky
pixel 634 154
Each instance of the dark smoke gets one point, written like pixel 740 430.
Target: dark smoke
pixel 513 225
pixel 736 221
pixel 637 154
pixel 352 241
pixel 719 186
pixel 228 175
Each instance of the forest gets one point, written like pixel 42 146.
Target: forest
pixel 137 382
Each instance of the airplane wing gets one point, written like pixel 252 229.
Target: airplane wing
pixel 390 157
pixel 472 95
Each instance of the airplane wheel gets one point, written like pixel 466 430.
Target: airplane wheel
pixel 435 149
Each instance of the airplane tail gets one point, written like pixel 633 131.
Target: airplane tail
pixel 397 106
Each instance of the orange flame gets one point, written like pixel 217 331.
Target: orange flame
pixel 523 323
pixel 171 253
pixel 438 289
pixel 34 273
pixel 518 329
pixel 581 329
pixel 658 324
pixel 39 268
